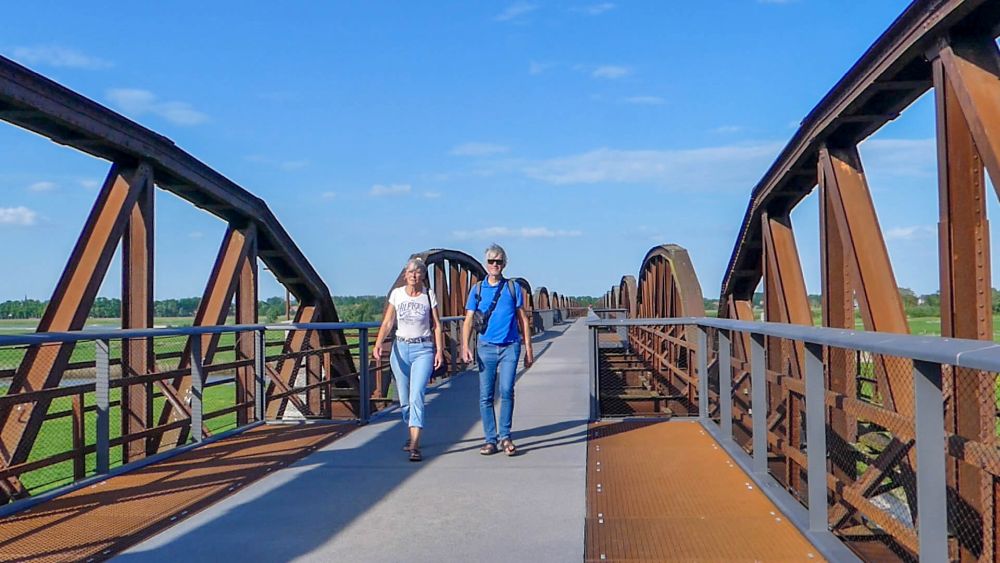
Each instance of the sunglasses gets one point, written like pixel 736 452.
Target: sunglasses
pixel 495 261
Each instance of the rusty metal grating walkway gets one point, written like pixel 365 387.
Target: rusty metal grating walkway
pixel 98 521
pixel 665 491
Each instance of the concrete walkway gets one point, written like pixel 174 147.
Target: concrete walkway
pixel 359 499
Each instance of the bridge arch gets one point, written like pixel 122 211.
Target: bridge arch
pixel 627 295
pixel 668 285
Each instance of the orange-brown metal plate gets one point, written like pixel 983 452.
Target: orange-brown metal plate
pixel 665 491
pixel 96 522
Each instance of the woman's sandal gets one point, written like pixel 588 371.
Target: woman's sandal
pixel 489 448
pixel 415 454
pixel 508 447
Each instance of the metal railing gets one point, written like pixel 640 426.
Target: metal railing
pixel 851 425
pixel 198 382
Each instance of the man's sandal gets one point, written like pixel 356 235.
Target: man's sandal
pixel 508 447
pixel 489 448
pixel 406 446
pixel 415 454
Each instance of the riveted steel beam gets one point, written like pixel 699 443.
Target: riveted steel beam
pixel 42 366
pixel 137 312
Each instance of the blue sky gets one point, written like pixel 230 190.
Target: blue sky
pixel 576 134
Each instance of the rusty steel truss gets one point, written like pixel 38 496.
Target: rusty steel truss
pixel 142 160
pixel 950 47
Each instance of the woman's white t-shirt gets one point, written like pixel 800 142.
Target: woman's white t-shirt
pixel 413 315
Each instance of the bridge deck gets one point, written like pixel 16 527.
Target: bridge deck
pixel 358 498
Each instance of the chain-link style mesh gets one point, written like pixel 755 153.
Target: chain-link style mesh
pixel 647 371
pixel 741 390
pixel 714 412
pixel 870 447
pixel 973 460
pixel 56 417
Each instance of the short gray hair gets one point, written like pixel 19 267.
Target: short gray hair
pixel 497 251
pixel 418 263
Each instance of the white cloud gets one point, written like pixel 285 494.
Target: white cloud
pixel 611 72
pixel 60 57
pixel 328 195
pixel 478 149
pixel 913 232
pixel 515 11
pixel 140 102
pixel 900 157
pixel 393 189
pixel 90 184
pixel 703 169
pixel 727 129
pixel 42 187
pixel 536 68
pixel 508 232
pixel 21 216
pixel 432 195
pixel 287 165
pixel 644 100
pixel 595 9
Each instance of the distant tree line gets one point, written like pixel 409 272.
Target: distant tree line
pixel 915 305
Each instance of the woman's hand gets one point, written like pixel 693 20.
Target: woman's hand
pixel 466 354
pixel 377 354
pixel 438 359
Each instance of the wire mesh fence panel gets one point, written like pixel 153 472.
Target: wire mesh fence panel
pixel 786 428
pixel 972 462
pixel 643 371
pixel 46 418
pixel 714 411
pixel 742 391
pixel 871 456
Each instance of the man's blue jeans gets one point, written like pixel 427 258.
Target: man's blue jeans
pixel 497 360
pixel 412 365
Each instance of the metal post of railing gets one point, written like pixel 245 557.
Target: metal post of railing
pixel 595 407
pixel 932 531
pixel 364 379
pixel 259 366
pixel 758 408
pixel 453 336
pixel 702 356
pixel 197 386
pixel 816 437
pixel 102 400
pixel 725 385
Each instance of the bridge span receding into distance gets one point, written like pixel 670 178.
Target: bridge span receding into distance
pixel 650 428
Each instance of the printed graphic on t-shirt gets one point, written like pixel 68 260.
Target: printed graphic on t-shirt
pixel 412 312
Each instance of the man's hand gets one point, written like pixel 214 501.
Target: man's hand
pixel 529 357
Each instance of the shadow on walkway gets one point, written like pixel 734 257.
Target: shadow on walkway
pixel 303 507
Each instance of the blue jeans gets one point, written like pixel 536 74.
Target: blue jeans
pixel 494 360
pixel 412 365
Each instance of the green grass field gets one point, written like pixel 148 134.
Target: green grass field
pixel 56 435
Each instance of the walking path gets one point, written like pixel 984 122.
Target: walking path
pixel 360 499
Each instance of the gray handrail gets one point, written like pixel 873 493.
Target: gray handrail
pixel 113 334
pixel 974 354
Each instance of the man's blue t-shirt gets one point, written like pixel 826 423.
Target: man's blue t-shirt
pixel 503 325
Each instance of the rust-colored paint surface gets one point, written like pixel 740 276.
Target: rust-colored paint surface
pixel 98 521
pixel 665 491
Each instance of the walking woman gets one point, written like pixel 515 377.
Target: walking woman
pixel 502 306
pixel 417 350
